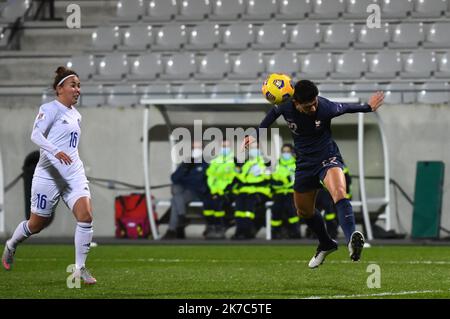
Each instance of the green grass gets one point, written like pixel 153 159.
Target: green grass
pixel 228 271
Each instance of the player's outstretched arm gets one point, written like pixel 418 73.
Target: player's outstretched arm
pixel 248 140
pixel 376 100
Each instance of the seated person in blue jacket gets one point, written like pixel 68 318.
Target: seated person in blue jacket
pixel 189 184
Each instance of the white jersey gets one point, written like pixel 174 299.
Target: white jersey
pixel 56 129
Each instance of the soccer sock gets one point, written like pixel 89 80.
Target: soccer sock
pixel 346 217
pixel 317 225
pixel 21 233
pixel 83 238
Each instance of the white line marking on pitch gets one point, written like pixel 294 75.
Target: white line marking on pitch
pixel 381 294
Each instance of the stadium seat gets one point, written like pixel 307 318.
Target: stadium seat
pixel 113 66
pixel 363 91
pixel 189 91
pixel 179 66
pixel 373 38
pixel 251 90
pixel 4 36
pixel 237 36
pixel 155 91
pixel 407 35
pixel 247 65
pixel 399 93
pixel 338 36
pixel 227 9
pixel 106 38
pixel 349 65
pixel 443 70
pixel 283 62
pixel 161 10
pixel 429 8
pixel 13 10
pixel 332 90
pixel 293 9
pixel 122 95
pixel 194 10
pixel 357 9
pixel 92 96
pixel 304 36
pixel 83 64
pixel 260 9
pixel 396 8
pixel 316 66
pixel 130 10
pixel 438 35
pixel 146 67
pixel 434 93
pixel 384 65
pixel 327 9
pixel 271 35
pixel 418 64
pixel 170 37
pixel 214 66
pixel 203 37
pixel 137 37
pixel 223 90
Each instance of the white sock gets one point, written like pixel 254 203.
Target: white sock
pixel 83 238
pixel 21 233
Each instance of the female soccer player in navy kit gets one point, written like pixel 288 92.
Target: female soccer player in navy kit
pixel 59 173
pixel 319 160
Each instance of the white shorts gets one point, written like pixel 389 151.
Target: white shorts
pixel 45 194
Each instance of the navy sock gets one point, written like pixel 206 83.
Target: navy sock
pixel 346 217
pixel 317 225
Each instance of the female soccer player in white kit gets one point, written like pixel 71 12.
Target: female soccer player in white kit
pixel 59 173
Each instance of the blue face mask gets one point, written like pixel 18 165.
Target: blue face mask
pixel 225 151
pixel 286 156
pixel 253 152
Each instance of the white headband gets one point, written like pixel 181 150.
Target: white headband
pixel 60 82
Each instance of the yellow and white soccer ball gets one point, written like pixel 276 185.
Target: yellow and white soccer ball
pixel 277 88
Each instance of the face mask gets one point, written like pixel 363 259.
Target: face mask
pixel 253 152
pixel 286 156
pixel 225 151
pixel 197 153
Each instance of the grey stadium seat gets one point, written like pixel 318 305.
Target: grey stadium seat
pixel 407 35
pixel 138 37
pixel 13 10
pixel 170 37
pixel 373 38
pixel 434 93
pixel 357 9
pixel 203 37
pixel 443 70
pixel 384 65
pixel 227 9
pixel 83 64
pixel 189 91
pixel 283 62
pixel 252 90
pixel 271 35
pixel 247 65
pixel 396 8
pixel 429 8
pixel 213 66
pixel 316 66
pixel 122 95
pixel 92 96
pixel 179 66
pixel 130 10
pixel 327 9
pixel 399 93
pixel 293 9
pixel 418 64
pixel 161 10
pixel 113 66
pixel 330 90
pixel 237 36
pixel 304 36
pixel 223 90
pixel 106 38
pixel 349 65
pixel 155 91
pixel 260 9
pixel 194 10
pixel 146 67
pixel 438 35
pixel 363 91
pixel 338 36
pixel 4 36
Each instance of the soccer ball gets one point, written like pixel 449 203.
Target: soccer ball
pixel 277 88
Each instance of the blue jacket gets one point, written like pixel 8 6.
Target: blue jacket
pixel 191 176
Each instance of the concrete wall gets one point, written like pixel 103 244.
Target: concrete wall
pixel 110 147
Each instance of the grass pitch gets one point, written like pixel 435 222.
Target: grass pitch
pixel 229 271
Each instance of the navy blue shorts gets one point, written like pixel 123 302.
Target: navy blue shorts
pixel 308 175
